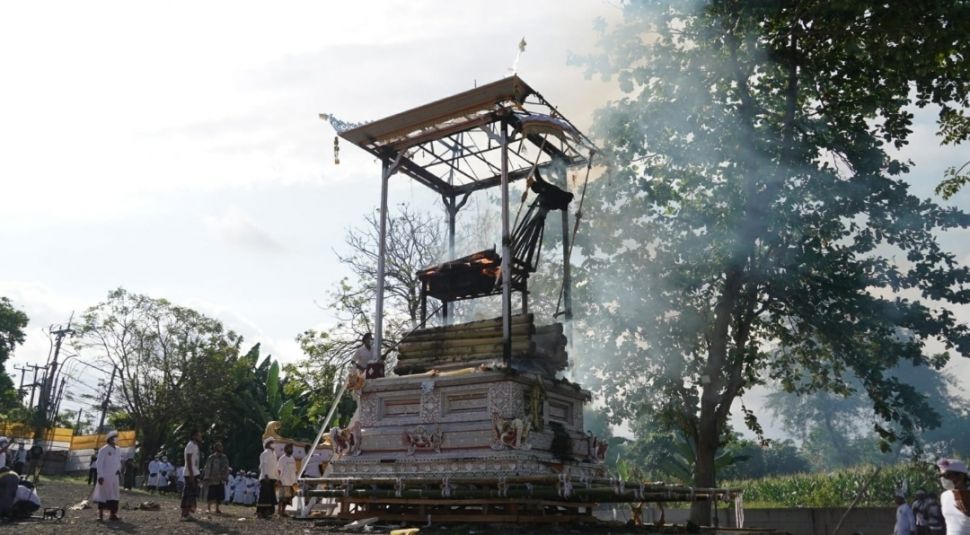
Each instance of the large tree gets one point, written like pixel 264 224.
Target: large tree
pixel 12 324
pixel 414 241
pixel 755 222
pixel 173 364
pixel 834 429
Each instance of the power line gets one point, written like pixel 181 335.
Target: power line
pixel 96 390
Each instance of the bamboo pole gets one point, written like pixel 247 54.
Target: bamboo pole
pixel 516 320
pixel 511 480
pixel 417 359
pixel 458 351
pixel 602 495
pixel 519 329
pixel 446 366
pixel 485 343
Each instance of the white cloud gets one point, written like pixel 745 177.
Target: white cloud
pixel 44 307
pixel 282 349
pixel 236 228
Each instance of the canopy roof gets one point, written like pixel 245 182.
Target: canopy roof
pixel 453 145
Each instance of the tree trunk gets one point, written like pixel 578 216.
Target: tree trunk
pixel 704 476
pixel 721 384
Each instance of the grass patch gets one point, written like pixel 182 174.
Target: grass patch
pixel 836 489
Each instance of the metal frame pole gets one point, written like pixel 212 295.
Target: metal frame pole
pixel 451 207
pixel 387 169
pixel 567 278
pixel 381 252
pixel 506 253
pixel 304 504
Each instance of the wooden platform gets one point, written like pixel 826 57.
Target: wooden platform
pixel 443 510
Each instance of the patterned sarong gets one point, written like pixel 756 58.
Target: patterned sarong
pixel 190 496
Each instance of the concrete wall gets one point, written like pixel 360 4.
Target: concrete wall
pixel 821 521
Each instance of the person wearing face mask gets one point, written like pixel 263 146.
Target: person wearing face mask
pixel 955 499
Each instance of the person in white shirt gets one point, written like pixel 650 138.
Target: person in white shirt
pixel 154 474
pixel 239 487
pixel 25 502
pixel 905 521
pixel 299 455
pixel 313 462
pixel 287 471
pixel 955 500
pixel 269 472
pixel 252 489
pixel 365 353
pixel 107 491
pixel 227 491
pixel 190 493
pixel 167 472
pixel 20 459
pixel 4 445
pixel 179 479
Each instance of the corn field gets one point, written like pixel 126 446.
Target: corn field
pixel 838 489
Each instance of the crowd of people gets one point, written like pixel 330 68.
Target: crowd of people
pixel 24 461
pixel 947 515
pixel 271 489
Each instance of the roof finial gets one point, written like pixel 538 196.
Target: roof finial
pixel 515 64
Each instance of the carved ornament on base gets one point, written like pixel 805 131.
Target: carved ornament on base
pixel 422 439
pixel 510 433
pixel 346 441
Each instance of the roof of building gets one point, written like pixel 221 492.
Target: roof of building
pixel 453 145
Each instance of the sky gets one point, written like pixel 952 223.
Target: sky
pixel 175 149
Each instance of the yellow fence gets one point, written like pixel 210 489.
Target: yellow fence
pixel 126 439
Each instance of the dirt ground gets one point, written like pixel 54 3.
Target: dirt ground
pixel 235 519
pixel 65 493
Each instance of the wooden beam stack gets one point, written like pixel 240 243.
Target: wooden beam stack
pixel 478 342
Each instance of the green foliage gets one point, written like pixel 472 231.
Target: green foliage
pixel 250 407
pixel 753 460
pixel 319 378
pixel 837 489
pixel 273 389
pixel 750 221
pixel 954 178
pixel 669 455
pixel 12 324
pixel 174 364
pixel 835 429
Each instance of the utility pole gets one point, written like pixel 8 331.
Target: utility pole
pixel 33 384
pixel 56 404
pixel 49 384
pixel 77 426
pixel 20 390
pixel 104 404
